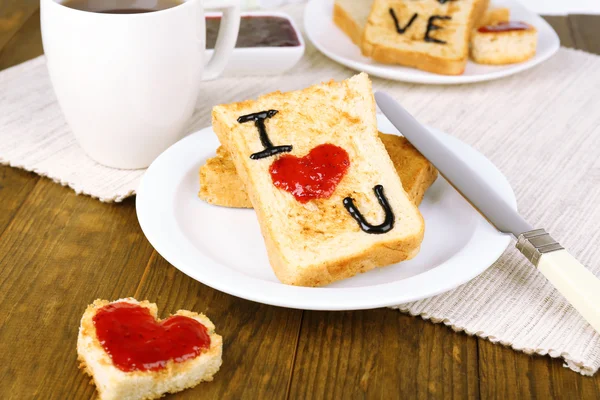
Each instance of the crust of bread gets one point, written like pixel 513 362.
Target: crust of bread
pixel 379 255
pixel 424 62
pixel 296 235
pixel 378 40
pixel 221 186
pixel 500 48
pixel 112 383
pixel 347 24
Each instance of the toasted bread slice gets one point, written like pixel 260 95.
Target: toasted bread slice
pixel 351 17
pixel 481 11
pixel 424 34
pixel 415 171
pixel 498 44
pixel 495 16
pixel 114 383
pixel 221 186
pixel 318 242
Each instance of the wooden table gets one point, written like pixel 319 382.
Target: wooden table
pixel 60 251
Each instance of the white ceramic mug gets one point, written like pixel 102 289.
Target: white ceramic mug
pixel 127 83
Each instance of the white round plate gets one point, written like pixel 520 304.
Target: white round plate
pixel 223 248
pixel 331 41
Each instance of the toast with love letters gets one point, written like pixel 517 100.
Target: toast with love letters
pixel 351 16
pixel 327 196
pixel 221 186
pixel 431 35
pixel 131 355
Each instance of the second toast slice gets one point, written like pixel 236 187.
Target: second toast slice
pixel 360 220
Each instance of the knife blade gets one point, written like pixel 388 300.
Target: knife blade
pixel 462 176
pixel 575 282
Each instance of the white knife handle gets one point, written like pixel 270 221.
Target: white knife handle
pixel 575 282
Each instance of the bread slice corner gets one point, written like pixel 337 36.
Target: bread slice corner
pixel 351 17
pixel 319 242
pixel 220 184
pixel 115 384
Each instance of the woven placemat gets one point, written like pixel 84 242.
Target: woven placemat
pixel 540 127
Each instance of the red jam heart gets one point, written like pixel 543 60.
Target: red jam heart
pixel 136 341
pixel 314 176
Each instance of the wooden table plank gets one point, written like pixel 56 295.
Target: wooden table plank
pixel 15 186
pixel 259 341
pixel 379 354
pixel 13 14
pixel 563 29
pixel 60 253
pixel 507 374
pixel 586 32
pixel 24 44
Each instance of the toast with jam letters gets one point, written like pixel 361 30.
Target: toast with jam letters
pixel 221 186
pixel 131 355
pixel 328 199
pixel 431 35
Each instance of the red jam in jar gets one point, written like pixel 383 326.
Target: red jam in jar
pixel 314 176
pixel 256 31
pixel 136 341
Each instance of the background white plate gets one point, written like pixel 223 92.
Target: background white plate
pixel 331 41
pixel 223 247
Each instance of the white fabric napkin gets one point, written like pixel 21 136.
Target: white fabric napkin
pixel 541 128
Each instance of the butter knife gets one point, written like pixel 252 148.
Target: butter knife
pixel 575 282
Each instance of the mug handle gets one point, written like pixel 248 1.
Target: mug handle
pixel 226 38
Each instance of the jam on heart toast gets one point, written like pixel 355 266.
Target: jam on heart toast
pixel 221 186
pixel 432 35
pixel 131 355
pixel 358 219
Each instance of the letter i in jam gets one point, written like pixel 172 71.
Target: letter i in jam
pixel 259 121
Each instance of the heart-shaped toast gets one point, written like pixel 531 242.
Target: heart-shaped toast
pixel 314 176
pixel 131 354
